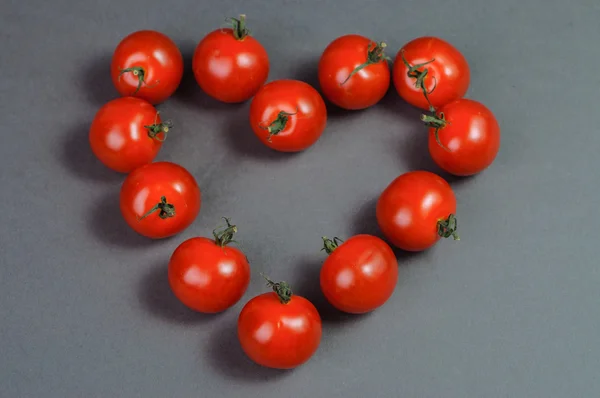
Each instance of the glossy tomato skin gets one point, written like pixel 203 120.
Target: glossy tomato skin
pixel 448 76
pixel 471 138
pixel 206 277
pixel 158 57
pixel 118 137
pixel 304 105
pixel 366 87
pixel 277 335
pixel 143 189
pixel 410 207
pixel 228 69
pixel 360 275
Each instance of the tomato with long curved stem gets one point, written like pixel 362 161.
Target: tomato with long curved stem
pixel 147 64
pixel 160 199
pixel 360 274
pixel 279 329
pixel 464 137
pixel 207 275
pixel 429 72
pixel 353 72
pixel 416 209
pixel 127 133
pixel 288 115
pixel 229 64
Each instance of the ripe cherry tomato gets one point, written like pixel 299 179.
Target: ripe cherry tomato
pixel 353 72
pixel 148 65
pixel 430 68
pixel 360 274
pixel 127 133
pixel 288 115
pixel 278 329
pixel 464 137
pixel 160 199
pixel 207 275
pixel 416 209
pixel 229 64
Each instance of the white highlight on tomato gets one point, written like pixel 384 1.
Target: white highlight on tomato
pixel 134 130
pixel 139 203
pixel 226 268
pixel 263 333
pixel 295 323
pixel 403 218
pixel 161 57
pixel 114 140
pixel 244 60
pixel 477 126
pixel 220 67
pixel 196 276
pixel 345 278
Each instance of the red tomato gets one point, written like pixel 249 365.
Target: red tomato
pixel 353 72
pixel 127 133
pixel 416 209
pixel 278 329
pixel 147 64
pixel 464 137
pixel 288 115
pixel 207 275
pixel 429 67
pixel 160 199
pixel 229 64
pixel 360 274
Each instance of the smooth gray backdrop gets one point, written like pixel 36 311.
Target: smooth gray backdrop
pixel 512 310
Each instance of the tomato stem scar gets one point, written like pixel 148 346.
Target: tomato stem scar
pixel 157 128
pixel 139 72
pixel 329 245
pixel 166 209
pixel 447 228
pixel 375 54
pixel 283 289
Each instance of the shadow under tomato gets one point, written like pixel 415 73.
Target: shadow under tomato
pixel 224 352
pixel 157 299
pixel 107 224
pixel 189 92
pixel 97 82
pixel 307 284
pixel 365 222
pixel 78 159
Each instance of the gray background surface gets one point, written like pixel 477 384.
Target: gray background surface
pixel 510 311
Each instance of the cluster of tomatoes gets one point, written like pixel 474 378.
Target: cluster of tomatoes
pixel 159 199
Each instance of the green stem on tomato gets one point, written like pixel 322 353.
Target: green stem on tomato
pixel 225 236
pixel 447 228
pixel 375 54
pixel 166 209
pixel 436 122
pixel 277 125
pixel 240 31
pixel 283 289
pixel 419 76
pixel 157 128
pixel 329 245
pixel 139 72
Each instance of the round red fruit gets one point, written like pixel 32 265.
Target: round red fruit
pixel 279 329
pixel 160 199
pixel 229 64
pixel 127 133
pixel 288 115
pixel 353 72
pixel 464 137
pixel 148 65
pixel 207 275
pixel 429 71
pixel 360 274
pixel 416 209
